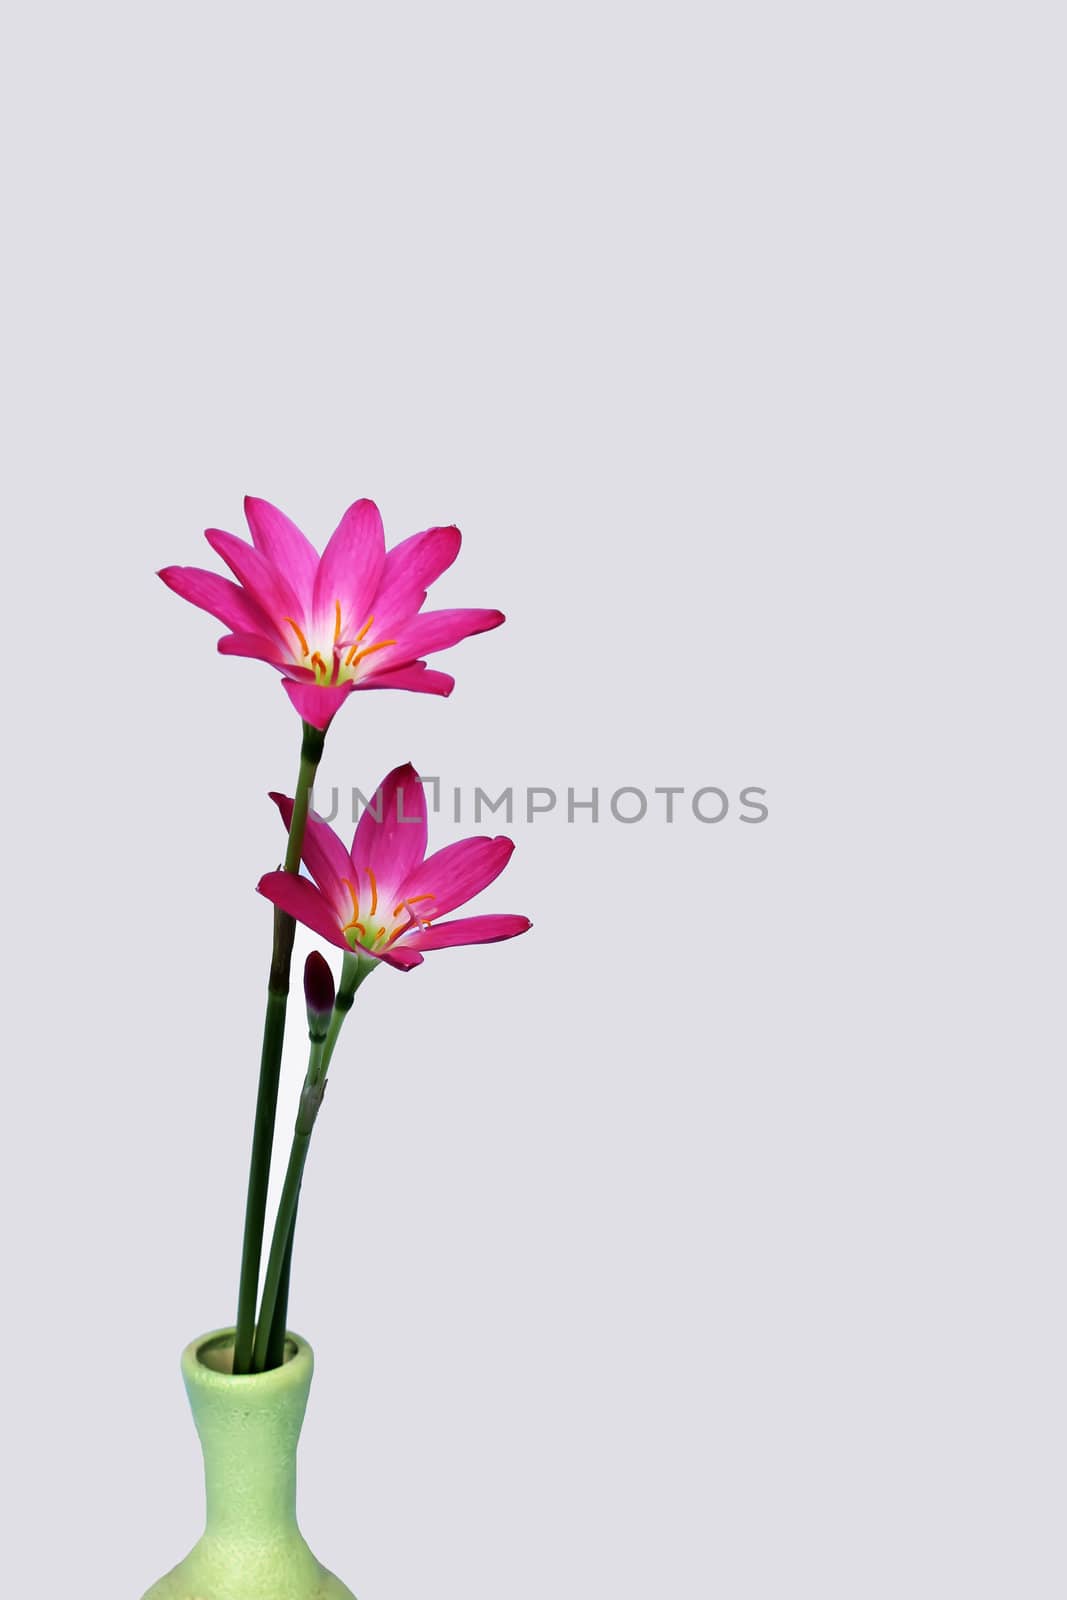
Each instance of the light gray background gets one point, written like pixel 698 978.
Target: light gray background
pixel 707 1241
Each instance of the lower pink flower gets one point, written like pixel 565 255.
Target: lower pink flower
pixel 384 896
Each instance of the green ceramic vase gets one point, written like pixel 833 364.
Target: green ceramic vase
pixel 251 1548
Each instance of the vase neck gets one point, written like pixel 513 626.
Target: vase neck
pixel 249 1429
pixel 250 1487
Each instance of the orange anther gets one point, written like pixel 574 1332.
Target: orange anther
pixel 355 655
pixel 299 633
pixel 410 901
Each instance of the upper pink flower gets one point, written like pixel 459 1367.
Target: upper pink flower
pixel 382 898
pixel 348 619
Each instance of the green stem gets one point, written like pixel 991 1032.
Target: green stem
pixel 310 1101
pixel 353 971
pixel 275 1348
pixel 276 1342
pixel 270 1064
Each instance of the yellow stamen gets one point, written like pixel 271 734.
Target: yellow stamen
pixel 299 633
pixel 355 655
pixel 319 663
pixel 337 620
pixel 365 629
pixel 373 890
pixel 355 897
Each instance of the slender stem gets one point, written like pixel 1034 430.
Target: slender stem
pixel 310 1101
pixel 276 1342
pixel 270 1064
pixel 275 1347
pixel 353 971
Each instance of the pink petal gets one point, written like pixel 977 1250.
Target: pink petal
pixel 401 958
pixel 255 647
pixel 415 676
pixel 264 582
pixel 436 630
pixel 350 568
pixel 411 567
pixel 466 930
pixel 317 703
pixel 225 600
pixel 324 856
pixel 284 546
pixel 457 873
pixel 302 900
pixel 393 846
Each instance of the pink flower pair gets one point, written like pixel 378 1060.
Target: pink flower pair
pixel 352 619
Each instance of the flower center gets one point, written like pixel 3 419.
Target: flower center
pixel 340 660
pixel 372 926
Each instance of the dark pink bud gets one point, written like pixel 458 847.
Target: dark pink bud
pixel 318 987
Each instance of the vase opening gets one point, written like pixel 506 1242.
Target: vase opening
pixel 216 1353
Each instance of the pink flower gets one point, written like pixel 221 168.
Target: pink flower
pixel 348 619
pixel 382 897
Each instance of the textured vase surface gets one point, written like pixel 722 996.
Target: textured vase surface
pixel 251 1548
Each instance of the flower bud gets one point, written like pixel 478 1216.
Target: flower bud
pixel 318 992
